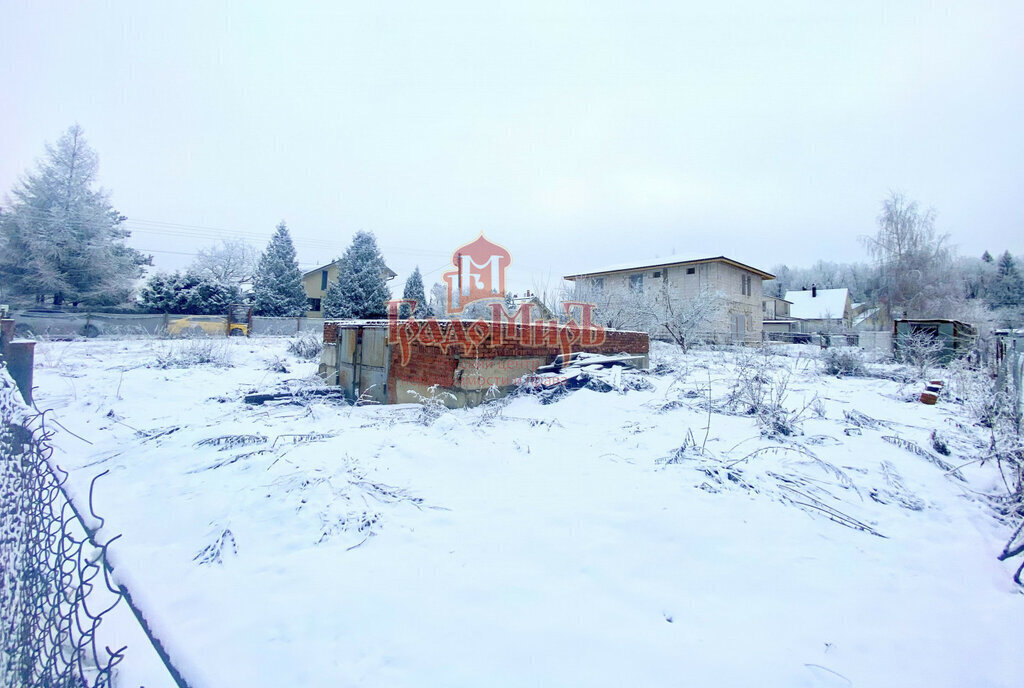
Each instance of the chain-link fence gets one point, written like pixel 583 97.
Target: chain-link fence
pixel 56 586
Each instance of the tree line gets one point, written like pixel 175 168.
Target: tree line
pixel 62 242
pixel 914 272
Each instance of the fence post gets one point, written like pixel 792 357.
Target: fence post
pixel 20 356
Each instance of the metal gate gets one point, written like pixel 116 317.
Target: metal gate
pixel 363 363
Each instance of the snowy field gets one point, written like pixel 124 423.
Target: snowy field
pixel 644 538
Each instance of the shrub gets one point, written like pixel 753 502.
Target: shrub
pixel 187 293
pixel 843 363
pixel 761 390
pixel 307 345
pixel 922 351
pixel 193 352
pixel 433 406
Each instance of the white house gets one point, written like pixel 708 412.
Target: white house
pixel 735 287
pixel 821 310
pixel 776 316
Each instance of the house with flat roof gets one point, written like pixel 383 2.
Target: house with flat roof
pixel 735 287
pixel 775 314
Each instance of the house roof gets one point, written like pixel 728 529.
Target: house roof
pixel 775 298
pixel 665 262
pixel 865 314
pixel 829 303
pixel 387 271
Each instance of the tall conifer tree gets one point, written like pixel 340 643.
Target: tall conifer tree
pixel 277 285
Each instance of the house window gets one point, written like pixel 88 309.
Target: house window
pixel 314 304
pixel 636 282
pixel 599 284
pixel 323 283
pixel 657 274
pixel 745 286
pixel 691 271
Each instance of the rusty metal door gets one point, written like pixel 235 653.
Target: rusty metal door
pixel 363 363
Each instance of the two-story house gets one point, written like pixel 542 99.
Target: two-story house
pixel 316 281
pixel 776 315
pixel 735 286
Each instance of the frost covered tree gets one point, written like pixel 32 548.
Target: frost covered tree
pixel 913 261
pixel 277 284
pixel 662 312
pixel 60 235
pixel 361 289
pixel 189 294
pixel 438 301
pixel 860 278
pixel 233 262
pixel 1007 288
pixel 414 290
pixel 687 320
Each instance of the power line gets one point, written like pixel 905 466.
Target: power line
pixel 178 229
pixel 213 234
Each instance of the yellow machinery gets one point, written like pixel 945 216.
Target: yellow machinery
pixel 236 323
pixel 239 320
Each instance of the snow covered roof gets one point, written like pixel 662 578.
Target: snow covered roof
pixel 665 262
pixel 829 303
pixel 868 313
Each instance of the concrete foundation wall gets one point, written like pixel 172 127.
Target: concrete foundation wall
pixel 490 368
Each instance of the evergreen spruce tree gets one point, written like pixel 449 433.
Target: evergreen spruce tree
pixel 361 290
pixel 60 235
pixel 1007 289
pixel 987 257
pixel 414 290
pixel 277 284
pixel 189 293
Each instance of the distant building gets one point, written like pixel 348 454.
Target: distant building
pixel 739 285
pixel 821 310
pixel 954 337
pixel 870 318
pixel 538 310
pixel 315 282
pixel 775 315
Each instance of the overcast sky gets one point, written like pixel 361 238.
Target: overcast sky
pixel 574 134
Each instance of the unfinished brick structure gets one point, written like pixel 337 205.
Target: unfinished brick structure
pixel 360 358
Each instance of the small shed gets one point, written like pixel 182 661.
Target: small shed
pixel 957 337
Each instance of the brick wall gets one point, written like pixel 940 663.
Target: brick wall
pixel 430 364
pixel 435 361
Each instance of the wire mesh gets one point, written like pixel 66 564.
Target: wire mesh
pixel 55 583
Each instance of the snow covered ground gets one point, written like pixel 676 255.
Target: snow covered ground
pixel 604 539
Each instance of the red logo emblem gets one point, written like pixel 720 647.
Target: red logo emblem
pixel 479 273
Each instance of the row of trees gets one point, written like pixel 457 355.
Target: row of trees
pixel 915 273
pixel 62 241
pixel 215 279
pixel 60 238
